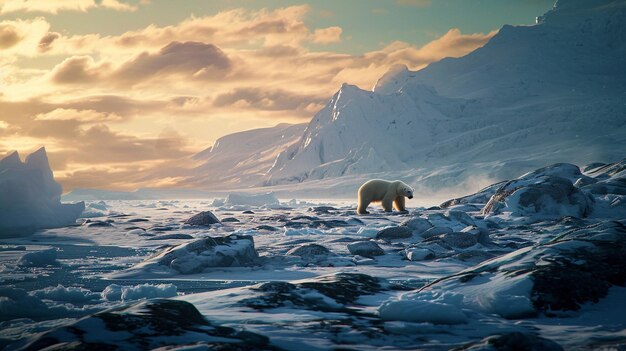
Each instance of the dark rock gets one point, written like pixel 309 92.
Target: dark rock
pixel 577 267
pixel 322 209
pixel 266 227
pixel 306 218
pixel 161 228
pixel 145 325
pixel 248 212
pixel 365 249
pixel 135 220
pixel 513 342
pixel 459 239
pixel 539 196
pixel 583 274
pixel 205 218
pixel 474 256
pixel 295 224
pixel 309 250
pixel 344 288
pixel 328 224
pixel 434 231
pixel 172 236
pixel 91 223
pixel 393 233
pixel 230 220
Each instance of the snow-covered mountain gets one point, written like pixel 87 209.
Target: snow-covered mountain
pixel 533 95
pixel 242 158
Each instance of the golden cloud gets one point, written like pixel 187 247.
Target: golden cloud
pixel 55 6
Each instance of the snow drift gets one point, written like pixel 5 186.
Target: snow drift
pixel 29 196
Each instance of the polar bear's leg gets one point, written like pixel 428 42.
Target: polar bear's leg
pixel 388 202
pixel 399 203
pixel 362 205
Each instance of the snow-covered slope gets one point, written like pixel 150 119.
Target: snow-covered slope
pixel 242 158
pixel 551 92
pixel 29 196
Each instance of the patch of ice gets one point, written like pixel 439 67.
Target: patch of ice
pixel 39 258
pixel 116 292
pixel 67 294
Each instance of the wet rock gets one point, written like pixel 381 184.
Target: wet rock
pixel 145 325
pixel 365 249
pixel 248 212
pixel 135 220
pixel 205 218
pixel 393 233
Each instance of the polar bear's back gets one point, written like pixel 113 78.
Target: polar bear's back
pixel 375 189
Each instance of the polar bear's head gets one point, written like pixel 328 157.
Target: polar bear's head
pixel 406 190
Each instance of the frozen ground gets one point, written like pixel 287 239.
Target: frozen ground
pixel 539 261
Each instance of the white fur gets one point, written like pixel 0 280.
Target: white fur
pixel 389 193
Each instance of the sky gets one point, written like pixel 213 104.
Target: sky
pixel 117 89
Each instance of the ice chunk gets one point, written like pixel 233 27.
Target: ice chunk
pixel 70 294
pixel 421 311
pixel 39 258
pixel 29 196
pixel 116 292
pixel 266 199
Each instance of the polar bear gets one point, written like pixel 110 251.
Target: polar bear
pixel 385 191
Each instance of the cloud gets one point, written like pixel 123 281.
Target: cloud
pixel 416 3
pixel 45 43
pixel 21 37
pixel 63 114
pixel 268 99
pixel 9 36
pixel 190 59
pixel 327 35
pixel 452 44
pixel 77 69
pixel 55 6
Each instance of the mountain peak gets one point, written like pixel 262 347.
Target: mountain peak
pixel 567 13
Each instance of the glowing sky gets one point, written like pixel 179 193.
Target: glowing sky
pixel 116 89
